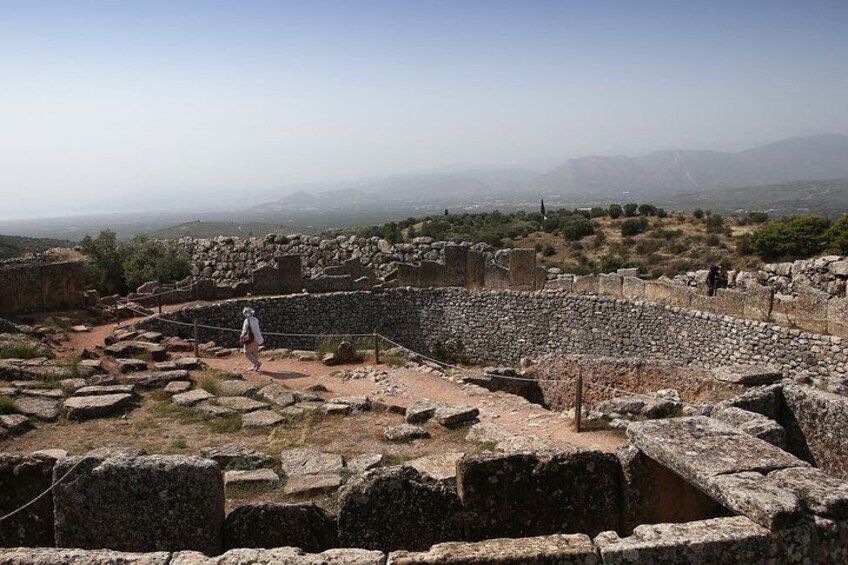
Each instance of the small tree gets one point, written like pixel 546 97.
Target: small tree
pixel 153 260
pixel 615 211
pixel 837 237
pixel 647 210
pixel 633 226
pixel 797 238
pixel 698 213
pixel 105 270
pixel 542 208
pixel 575 227
pixel 630 209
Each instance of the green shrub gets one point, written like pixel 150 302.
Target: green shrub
pixel 633 226
pixel 630 209
pixel 576 227
pixel 698 213
pixel 837 236
pixel 7 405
pixel 20 351
pixel 615 211
pixel 715 224
pixel 797 237
pixel 548 250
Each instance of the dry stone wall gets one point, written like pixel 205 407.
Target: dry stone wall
pixel 38 286
pixel 504 326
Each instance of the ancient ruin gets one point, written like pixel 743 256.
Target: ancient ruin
pixel 425 403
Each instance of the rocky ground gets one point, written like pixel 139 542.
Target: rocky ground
pixel 296 430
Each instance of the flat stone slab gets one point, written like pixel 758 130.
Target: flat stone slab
pixel 165 366
pixel 155 379
pixel 333 409
pixel 241 404
pixel 130 365
pixel 757 498
pixel 313 484
pixel 191 397
pixel 451 416
pixel 748 375
pixel 62 556
pixel 365 462
pixel 441 467
pixel 125 349
pixel 38 408
pixel 54 393
pixel 254 477
pixel 210 408
pixel 576 549
pixel 188 363
pixel 234 453
pixel 281 556
pixel 307 461
pixel 71 385
pixel 698 448
pixel 99 406
pixel 237 388
pixel 278 394
pixel 98 390
pixel 52 453
pixel 485 432
pixel 404 432
pixel 420 411
pixel 752 424
pixel 15 423
pixel 356 403
pixel 176 387
pixel 261 419
pixel 821 493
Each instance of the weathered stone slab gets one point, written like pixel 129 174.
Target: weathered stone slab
pixel 126 349
pixel 210 408
pixel 54 393
pixel 99 406
pixel 752 424
pixel 365 462
pixel 307 461
pixel 574 549
pixel 529 494
pixel 97 390
pixel 236 454
pixel 261 419
pixel 155 379
pixel 241 404
pixel 714 541
pixel 282 556
pixel 815 428
pixel 453 416
pixel 441 467
pixel 188 363
pixel 191 397
pixel 61 556
pixel 395 507
pixel 306 526
pixel 22 478
pixel 277 394
pixel 313 484
pixel 15 423
pixel 356 403
pixel 404 432
pixel 43 409
pixel 757 498
pixel 698 448
pixel 821 493
pixel 420 411
pixel 176 387
pixel 748 375
pixel 130 365
pixel 168 503
pixel 253 477
pixel 238 388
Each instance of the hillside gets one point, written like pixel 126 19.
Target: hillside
pixel 12 246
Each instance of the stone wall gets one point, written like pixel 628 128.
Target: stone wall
pixel 504 326
pixel 38 286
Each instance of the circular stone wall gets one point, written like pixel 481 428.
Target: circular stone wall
pixel 503 326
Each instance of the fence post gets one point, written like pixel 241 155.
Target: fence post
pixel 159 300
pixel 196 340
pixel 376 348
pixel 578 402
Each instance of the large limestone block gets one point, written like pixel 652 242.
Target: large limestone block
pixel 306 526
pixel 154 379
pixel 307 461
pixel 22 478
pixel 758 303
pixel 60 556
pixel 837 316
pixel 610 284
pixel 126 349
pixel 397 508
pixel 821 493
pixel 522 269
pixel 757 498
pixel 816 427
pixel 716 541
pixel 140 504
pixel 282 556
pixel 753 424
pixel 530 494
pixel 807 310
pixel 698 448
pixel 633 288
pixel 576 549
pixel 98 406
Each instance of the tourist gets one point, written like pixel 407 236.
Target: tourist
pixel 712 280
pixel 251 338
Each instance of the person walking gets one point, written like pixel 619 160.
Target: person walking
pixel 251 338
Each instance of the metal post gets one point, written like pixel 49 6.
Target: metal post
pixel 196 340
pixel 376 348
pixel 578 402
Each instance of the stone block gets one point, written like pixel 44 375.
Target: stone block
pixel 150 503
pixel 837 316
pixel 541 277
pixel 753 424
pixel 633 288
pixel 658 291
pixel 611 285
pixel 814 420
pixel 496 277
pixel 441 466
pixel 530 494
pixel 397 508
pixel 475 270
pixel 432 274
pixel 22 478
pixel 822 494
pixel 679 295
pixel 408 275
pixel 757 498
pixel 60 556
pixel 456 264
pixel 806 311
pixel 522 269
pixel 306 526
pixel 290 272
pixel 98 406
pixel 282 556
pixel 587 284
pixel 758 303
pixel 748 375
pixel 565 283
pixel 560 549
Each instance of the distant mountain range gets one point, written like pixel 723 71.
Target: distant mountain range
pixel 593 179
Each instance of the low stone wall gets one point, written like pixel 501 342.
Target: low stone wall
pixel 503 326
pixel 41 286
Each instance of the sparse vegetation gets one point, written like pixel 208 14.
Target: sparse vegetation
pixel 7 405
pixel 20 350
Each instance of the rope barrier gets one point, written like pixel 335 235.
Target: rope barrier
pixel 45 493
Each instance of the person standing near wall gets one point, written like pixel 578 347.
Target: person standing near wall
pixel 251 338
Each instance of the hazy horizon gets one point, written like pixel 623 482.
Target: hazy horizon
pixel 109 108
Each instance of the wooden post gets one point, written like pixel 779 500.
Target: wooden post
pixel 196 340
pixel 159 299
pixel 578 402
pixel 376 348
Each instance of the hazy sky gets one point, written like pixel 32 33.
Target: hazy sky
pixel 129 101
